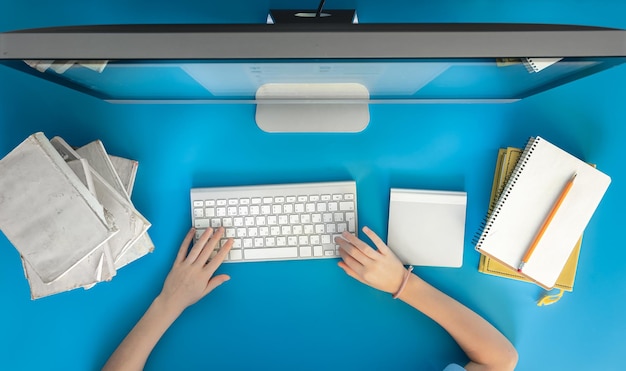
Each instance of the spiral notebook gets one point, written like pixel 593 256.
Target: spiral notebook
pixel 505 164
pixel 528 197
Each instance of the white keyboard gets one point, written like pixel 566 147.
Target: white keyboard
pixel 278 222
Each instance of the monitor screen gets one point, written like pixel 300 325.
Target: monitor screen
pixel 387 80
pixel 313 63
pixel 394 62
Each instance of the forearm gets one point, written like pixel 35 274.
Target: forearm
pixel 486 347
pixel 133 352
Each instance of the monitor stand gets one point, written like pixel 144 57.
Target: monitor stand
pixel 307 108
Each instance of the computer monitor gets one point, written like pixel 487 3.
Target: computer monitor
pixel 313 77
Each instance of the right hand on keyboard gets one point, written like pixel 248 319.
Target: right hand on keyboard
pixel 380 269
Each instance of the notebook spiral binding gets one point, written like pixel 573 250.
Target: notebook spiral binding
pixel 495 207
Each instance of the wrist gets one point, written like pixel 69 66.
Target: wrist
pixel 403 283
pixel 166 307
pixel 412 286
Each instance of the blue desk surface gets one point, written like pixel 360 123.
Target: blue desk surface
pixel 309 315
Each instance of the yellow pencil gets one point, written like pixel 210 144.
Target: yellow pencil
pixel 546 223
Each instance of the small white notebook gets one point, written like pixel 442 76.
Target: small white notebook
pixel 427 228
pixel 527 199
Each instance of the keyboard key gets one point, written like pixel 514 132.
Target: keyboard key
pixel 271 253
pixel 305 251
pixel 351 219
pixel 201 223
pixel 317 250
pixel 236 254
pixel 346 206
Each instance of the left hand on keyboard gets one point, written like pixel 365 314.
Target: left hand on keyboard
pixel 191 277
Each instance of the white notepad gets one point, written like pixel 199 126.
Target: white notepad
pixel 531 192
pixel 427 228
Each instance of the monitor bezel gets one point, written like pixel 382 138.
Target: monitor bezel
pixel 318 41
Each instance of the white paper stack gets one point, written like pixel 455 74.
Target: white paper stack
pixel 68 213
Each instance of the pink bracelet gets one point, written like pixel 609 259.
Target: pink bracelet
pixel 404 281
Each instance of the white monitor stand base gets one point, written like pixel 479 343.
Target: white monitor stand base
pixel 308 108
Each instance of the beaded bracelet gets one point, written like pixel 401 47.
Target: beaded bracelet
pixel 404 281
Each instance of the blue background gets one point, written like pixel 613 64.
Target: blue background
pixel 309 315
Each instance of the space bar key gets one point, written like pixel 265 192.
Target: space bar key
pixel 273 253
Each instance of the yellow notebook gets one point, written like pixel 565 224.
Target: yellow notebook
pixel 507 159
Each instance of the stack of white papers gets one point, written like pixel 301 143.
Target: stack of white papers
pixel 68 213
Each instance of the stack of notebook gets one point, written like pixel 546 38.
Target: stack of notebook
pixel 525 190
pixel 68 213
